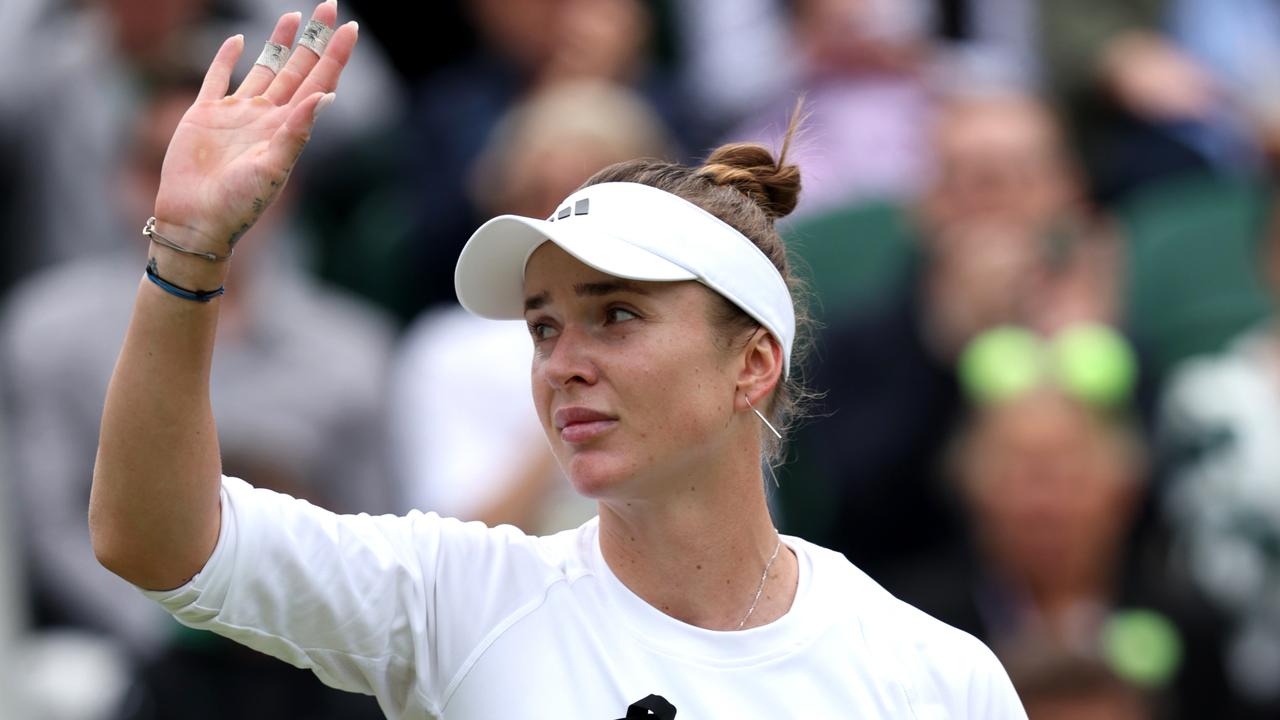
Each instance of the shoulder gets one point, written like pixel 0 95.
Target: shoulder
pixel 70 309
pixel 1224 378
pixel 75 289
pixel 339 340
pixel 345 316
pixel 936 664
pixel 884 617
pixel 453 340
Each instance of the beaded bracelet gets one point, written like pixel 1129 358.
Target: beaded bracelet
pixel 174 290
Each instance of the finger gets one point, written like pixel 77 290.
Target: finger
pixel 288 140
pixel 218 78
pixel 261 74
pixel 305 55
pixel 323 78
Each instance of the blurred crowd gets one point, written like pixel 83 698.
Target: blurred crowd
pixel 1042 238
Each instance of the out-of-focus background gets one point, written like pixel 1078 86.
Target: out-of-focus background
pixel 1042 237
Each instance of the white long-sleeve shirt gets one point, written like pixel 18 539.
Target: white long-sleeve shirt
pixel 440 618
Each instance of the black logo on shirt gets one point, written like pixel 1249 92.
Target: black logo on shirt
pixel 654 707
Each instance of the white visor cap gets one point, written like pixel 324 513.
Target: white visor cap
pixel 631 231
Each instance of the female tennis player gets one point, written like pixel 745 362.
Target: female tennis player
pixel 658 306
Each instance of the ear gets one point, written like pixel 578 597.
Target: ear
pixel 760 370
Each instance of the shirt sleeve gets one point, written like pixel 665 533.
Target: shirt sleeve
pixel 949 673
pixel 388 606
pixel 991 692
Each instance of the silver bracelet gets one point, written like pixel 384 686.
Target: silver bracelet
pixel 149 230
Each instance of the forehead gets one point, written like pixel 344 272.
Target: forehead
pixel 549 265
pixel 996 127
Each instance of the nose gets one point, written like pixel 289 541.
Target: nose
pixel 570 360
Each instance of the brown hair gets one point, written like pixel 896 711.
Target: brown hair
pixel 744 186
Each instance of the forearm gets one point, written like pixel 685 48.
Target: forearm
pixel 153 512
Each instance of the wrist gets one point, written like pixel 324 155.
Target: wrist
pixel 186 270
pixel 188 294
pixel 217 246
pixel 186 256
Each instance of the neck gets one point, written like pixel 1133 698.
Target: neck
pixel 697 551
pixel 1060 594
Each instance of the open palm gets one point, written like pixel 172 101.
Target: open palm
pixel 231 154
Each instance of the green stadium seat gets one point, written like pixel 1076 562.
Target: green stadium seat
pixel 1193 279
pixel 851 256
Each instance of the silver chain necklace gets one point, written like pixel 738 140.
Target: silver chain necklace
pixel 760 588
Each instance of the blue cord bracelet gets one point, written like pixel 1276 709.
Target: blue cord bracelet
pixel 174 290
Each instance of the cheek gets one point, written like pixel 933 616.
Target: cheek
pixel 683 399
pixel 542 396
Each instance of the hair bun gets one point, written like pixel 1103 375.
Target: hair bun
pixel 750 169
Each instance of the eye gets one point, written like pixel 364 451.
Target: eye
pixel 541 331
pixel 618 314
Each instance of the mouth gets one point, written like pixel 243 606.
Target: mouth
pixel 578 425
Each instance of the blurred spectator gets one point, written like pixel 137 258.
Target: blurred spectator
pixel 997 39
pixel 13 611
pixel 550 143
pixel 298 380
pixel 735 56
pixel 1003 239
pixel 1141 106
pixel 1052 480
pixel 1219 425
pixel 528 44
pixel 71 78
pixel 1239 44
pixel 485 457
pixel 860 66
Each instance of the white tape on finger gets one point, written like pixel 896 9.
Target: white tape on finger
pixel 273 57
pixel 315 36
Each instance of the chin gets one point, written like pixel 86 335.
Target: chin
pixel 597 475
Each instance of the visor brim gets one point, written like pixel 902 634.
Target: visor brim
pixel 489 278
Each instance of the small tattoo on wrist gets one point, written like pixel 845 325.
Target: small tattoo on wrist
pixel 235 236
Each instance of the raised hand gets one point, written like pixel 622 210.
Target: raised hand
pixel 231 154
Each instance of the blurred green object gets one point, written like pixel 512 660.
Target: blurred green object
pixel 1094 363
pixel 1089 362
pixel 1142 646
pixel 1001 363
pixel 1193 266
pixel 852 256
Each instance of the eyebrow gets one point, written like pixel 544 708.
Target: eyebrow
pixel 533 302
pixel 594 289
